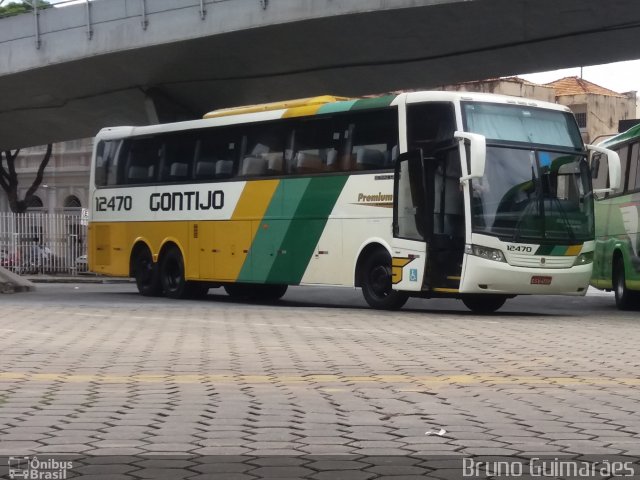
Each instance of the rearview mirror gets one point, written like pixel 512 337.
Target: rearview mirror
pixel 615 170
pixel 477 154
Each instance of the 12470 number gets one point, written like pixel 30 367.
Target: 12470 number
pixel 117 203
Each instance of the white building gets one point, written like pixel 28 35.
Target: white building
pixel 65 186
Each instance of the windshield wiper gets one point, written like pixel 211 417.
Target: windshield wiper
pixel 565 218
pixel 537 192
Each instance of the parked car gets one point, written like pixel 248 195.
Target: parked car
pixel 82 265
pixel 9 260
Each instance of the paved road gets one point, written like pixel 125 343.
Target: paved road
pixel 99 370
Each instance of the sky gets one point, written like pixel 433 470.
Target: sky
pixel 620 77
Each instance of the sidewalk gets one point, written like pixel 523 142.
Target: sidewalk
pixel 81 278
pixel 12 283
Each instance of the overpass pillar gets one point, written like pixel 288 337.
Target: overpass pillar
pixel 162 108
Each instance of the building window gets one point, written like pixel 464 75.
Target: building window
pixel 34 202
pixel 581 118
pixel 72 202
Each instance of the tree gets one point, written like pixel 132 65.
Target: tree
pixel 15 8
pixel 9 179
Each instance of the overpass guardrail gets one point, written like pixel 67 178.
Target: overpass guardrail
pixel 34 8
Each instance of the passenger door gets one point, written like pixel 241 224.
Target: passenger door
pixel 409 222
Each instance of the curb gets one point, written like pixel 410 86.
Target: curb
pixel 80 279
pixel 12 283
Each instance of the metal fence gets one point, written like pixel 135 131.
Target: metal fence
pixel 43 243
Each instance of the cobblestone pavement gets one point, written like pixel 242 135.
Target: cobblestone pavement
pixel 100 371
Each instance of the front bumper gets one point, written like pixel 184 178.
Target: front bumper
pixel 480 275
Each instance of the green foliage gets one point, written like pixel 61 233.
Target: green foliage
pixel 16 8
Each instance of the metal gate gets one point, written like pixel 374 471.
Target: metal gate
pixel 43 243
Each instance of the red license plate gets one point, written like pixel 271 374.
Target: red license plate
pixel 540 280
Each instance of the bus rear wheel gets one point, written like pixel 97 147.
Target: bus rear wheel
pixel 625 298
pixel 376 283
pixel 484 304
pixel 145 271
pixel 172 276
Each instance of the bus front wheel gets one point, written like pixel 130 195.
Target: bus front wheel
pixel 484 304
pixel 146 274
pixel 625 298
pixel 376 283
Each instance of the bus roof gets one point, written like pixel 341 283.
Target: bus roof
pixel 324 104
pixel 633 132
pixel 283 105
pixel 331 103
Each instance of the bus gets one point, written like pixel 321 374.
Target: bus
pixel 617 260
pixel 471 196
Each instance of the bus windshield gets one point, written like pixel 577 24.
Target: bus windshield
pixel 536 187
pixel 522 124
pixel 533 195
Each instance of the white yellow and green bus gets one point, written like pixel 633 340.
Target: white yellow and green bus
pixel 427 194
pixel 617 260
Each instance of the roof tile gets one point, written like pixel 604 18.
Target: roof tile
pixel 580 86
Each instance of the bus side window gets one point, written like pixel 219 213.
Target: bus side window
pixel 178 158
pixel 599 171
pixel 429 125
pixel 373 140
pixel 634 168
pixel 264 152
pixel 142 160
pixel 106 163
pixel 216 153
pixel 315 147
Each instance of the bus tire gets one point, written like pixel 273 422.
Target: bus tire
pixel 376 283
pixel 145 272
pixel 172 277
pixel 269 292
pixel 625 298
pixel 484 304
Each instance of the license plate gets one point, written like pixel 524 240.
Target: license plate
pixel 540 280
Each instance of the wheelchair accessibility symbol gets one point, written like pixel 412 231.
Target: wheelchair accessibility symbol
pixel 413 274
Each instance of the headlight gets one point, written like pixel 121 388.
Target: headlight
pixel 485 252
pixel 583 259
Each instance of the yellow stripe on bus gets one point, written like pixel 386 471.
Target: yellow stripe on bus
pixel 573 250
pixel 302 111
pixel 446 290
pixel 254 200
pixel 235 237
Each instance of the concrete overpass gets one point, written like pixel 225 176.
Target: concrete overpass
pixel 70 71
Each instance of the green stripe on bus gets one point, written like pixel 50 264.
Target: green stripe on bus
pixel 544 250
pixel 629 134
pixel 377 102
pixel 553 250
pixel 336 107
pixel 272 229
pixel 306 228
